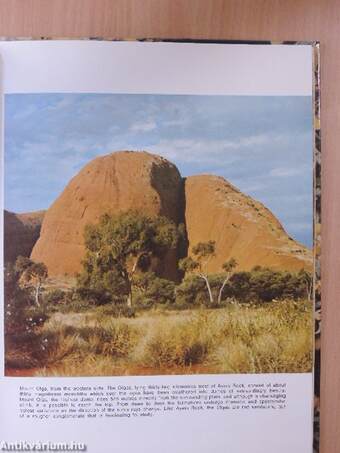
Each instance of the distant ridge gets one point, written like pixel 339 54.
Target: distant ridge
pixel 21 231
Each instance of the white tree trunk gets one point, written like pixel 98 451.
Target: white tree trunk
pixel 221 290
pixel 205 278
pixel 310 286
pixel 130 277
pixel 37 294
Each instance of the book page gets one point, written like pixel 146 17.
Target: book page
pixel 159 257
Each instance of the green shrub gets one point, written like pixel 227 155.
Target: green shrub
pixel 193 291
pixel 118 247
pixel 21 314
pixel 23 320
pixel 55 296
pixel 151 290
pixel 96 296
pixel 267 284
pixel 258 285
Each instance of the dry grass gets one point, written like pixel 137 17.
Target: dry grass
pixel 275 337
pixel 270 339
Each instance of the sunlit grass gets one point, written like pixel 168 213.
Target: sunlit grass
pixel 267 338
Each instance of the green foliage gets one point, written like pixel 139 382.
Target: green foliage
pixel 130 234
pixel 229 265
pixel 264 285
pixel 55 296
pixel 22 263
pixel 306 281
pixel 153 290
pixel 32 275
pixel 72 305
pixel 17 300
pixel 188 264
pixel 29 269
pixel 204 249
pixel 21 315
pixel 202 252
pixel 240 286
pixel 117 248
pixel 258 285
pixel 101 286
pixel 190 292
pixel 228 268
pixel 22 320
pixel 66 301
pixel 193 290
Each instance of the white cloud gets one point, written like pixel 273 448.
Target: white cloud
pixel 286 172
pixel 208 150
pixel 145 126
pixel 263 149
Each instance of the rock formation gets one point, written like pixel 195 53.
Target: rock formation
pixel 21 232
pixel 242 227
pixel 214 210
pixel 113 183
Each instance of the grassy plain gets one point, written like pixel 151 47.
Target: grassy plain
pixel 238 338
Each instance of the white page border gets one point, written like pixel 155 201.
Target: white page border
pixel 71 66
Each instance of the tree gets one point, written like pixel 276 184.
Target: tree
pixel 32 274
pixel 307 278
pixel 120 245
pixel 153 289
pixel 241 286
pixel 269 284
pixel 16 301
pixel 228 268
pixel 203 252
pixel 193 290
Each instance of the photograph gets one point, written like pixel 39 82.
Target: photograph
pixel 157 234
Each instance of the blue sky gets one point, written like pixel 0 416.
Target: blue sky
pixel 261 144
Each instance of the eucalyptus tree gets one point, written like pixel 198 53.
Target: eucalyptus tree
pixel 120 245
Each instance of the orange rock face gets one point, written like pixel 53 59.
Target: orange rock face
pixel 214 210
pixel 242 228
pixel 114 183
pixel 21 232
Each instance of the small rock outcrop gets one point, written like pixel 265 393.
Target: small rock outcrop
pixel 21 231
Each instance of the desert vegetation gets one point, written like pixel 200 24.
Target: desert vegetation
pixel 122 316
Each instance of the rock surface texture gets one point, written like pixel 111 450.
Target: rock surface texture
pixel 242 227
pixel 113 183
pixel 211 208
